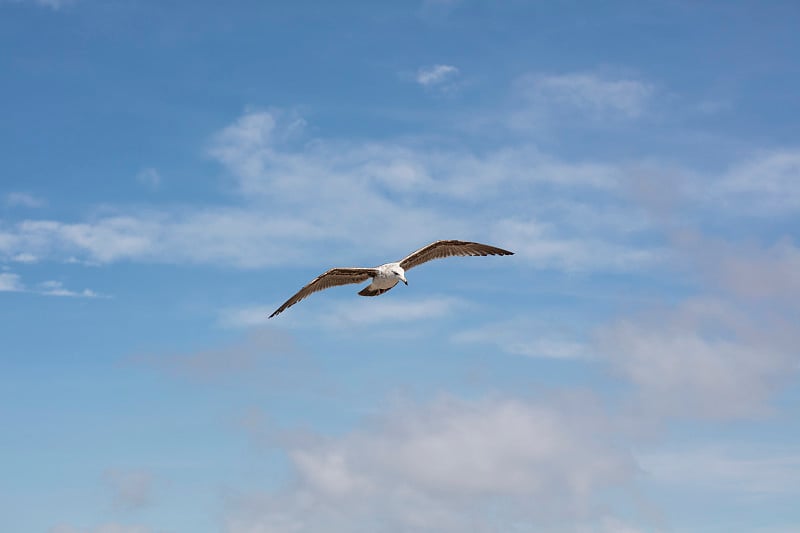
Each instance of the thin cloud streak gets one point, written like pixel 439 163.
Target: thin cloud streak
pixel 745 470
pixel 23 199
pixel 585 91
pixel 361 313
pixel 263 354
pixel 56 288
pixel 550 100
pixel 435 75
pixel 110 527
pixel 767 184
pixel 528 337
pixel 10 282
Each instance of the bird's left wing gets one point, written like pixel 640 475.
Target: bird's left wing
pixel 331 278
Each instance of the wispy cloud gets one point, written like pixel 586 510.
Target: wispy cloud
pixel 298 195
pixel 150 178
pixel 766 184
pixel 24 258
pixel 528 337
pixel 588 93
pixel 131 489
pixel 538 243
pixel 301 195
pixel 262 351
pixel 235 236
pixel 746 470
pixel 707 358
pixel 362 313
pixel 436 75
pixel 55 5
pixel 24 199
pixel 56 288
pixel 110 527
pixel 548 102
pixel 10 282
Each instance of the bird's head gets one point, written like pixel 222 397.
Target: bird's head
pixel 400 274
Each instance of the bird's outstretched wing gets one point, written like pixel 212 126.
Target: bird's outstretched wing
pixel 331 278
pixel 440 249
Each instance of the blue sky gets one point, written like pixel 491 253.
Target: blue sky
pixel 173 171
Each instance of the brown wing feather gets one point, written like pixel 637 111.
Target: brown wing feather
pixel 331 278
pixel 440 249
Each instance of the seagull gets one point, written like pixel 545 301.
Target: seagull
pixel 386 276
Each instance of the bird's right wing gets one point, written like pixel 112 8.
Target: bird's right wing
pixel 440 249
pixel 331 278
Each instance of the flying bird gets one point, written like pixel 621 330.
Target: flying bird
pixel 386 276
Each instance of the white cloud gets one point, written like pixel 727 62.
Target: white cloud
pixel 56 288
pixel 435 75
pixel 237 236
pixel 366 313
pixel 704 359
pixel 254 238
pixel 528 337
pixel 587 93
pixel 766 184
pixel 10 282
pixel 537 243
pixel 297 195
pixel 25 258
pixel 23 199
pixel 355 183
pixel 54 4
pixel 491 465
pixel 104 240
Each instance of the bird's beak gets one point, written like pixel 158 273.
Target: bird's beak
pixel 404 281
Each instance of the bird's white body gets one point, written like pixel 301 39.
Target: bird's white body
pixel 388 276
pixel 385 277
